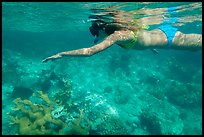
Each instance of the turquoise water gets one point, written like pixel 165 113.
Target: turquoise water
pixel 120 91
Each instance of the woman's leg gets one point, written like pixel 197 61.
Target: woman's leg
pixel 187 41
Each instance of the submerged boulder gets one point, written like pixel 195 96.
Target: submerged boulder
pixel 21 92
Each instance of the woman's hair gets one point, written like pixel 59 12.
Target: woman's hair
pixel 102 23
pixel 105 23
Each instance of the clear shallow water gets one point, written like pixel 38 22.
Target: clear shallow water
pixel 125 86
pixel 74 16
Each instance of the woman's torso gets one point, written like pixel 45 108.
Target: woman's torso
pixel 144 39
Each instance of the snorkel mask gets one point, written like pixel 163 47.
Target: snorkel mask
pixel 96 26
pixel 93 31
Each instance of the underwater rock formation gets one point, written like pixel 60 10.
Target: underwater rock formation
pixel 186 95
pixel 160 117
pixel 120 95
pixel 21 92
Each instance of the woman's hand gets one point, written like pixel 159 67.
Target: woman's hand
pixel 57 56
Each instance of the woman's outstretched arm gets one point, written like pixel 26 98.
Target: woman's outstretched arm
pixel 117 36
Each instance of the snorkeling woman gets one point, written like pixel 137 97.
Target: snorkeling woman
pixel 132 35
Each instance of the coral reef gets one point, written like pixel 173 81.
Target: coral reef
pixel 120 95
pixel 160 117
pixel 187 95
pixel 63 96
pixel 36 119
pixel 45 118
pixel 59 112
pixel 49 78
pixel 150 123
pixel 109 124
pixel 79 126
